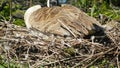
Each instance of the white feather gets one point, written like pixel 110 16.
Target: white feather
pixel 28 13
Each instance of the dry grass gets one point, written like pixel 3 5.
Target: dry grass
pixel 19 45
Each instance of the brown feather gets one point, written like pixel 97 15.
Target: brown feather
pixel 66 20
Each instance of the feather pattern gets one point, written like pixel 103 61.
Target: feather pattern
pixel 64 21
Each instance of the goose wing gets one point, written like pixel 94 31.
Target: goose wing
pixel 64 21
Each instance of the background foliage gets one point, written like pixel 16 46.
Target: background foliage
pixel 95 8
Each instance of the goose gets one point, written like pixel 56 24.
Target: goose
pixel 51 3
pixel 64 21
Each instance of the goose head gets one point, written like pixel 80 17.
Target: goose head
pixel 51 3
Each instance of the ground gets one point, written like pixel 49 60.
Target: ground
pixel 18 47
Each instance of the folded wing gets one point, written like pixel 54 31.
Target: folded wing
pixel 64 21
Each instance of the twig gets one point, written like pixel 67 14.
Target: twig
pixel 27 56
pixel 93 62
pixel 66 27
pixel 118 63
pixel 57 61
pixel 95 55
pixel 117 59
pixel 38 63
pixel 82 61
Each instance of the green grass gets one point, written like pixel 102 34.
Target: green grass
pixel 91 7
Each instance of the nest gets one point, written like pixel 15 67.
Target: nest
pixel 19 45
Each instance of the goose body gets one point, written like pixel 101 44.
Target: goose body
pixel 63 21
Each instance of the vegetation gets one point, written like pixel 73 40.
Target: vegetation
pixel 95 8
